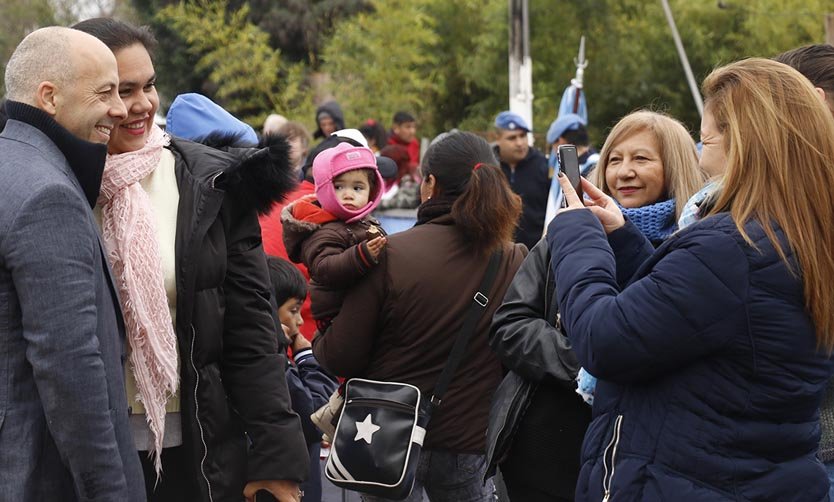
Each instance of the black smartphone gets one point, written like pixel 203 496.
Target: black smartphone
pixel 264 496
pixel 569 164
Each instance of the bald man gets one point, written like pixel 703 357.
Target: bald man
pixel 64 431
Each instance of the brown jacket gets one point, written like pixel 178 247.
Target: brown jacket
pixel 335 253
pixel 400 323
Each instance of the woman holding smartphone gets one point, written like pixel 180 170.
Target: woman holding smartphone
pixel 714 356
pixel 540 461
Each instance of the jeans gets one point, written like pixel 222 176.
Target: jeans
pixel 449 477
pixel 829 468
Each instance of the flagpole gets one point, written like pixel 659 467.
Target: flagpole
pixel 690 78
pixel 581 63
pixel 521 65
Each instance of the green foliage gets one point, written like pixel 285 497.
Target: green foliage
pixel 300 27
pixel 633 62
pixel 20 17
pixel 472 63
pixel 244 72
pixel 445 61
pixel 385 60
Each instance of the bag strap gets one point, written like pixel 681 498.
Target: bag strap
pixel 479 303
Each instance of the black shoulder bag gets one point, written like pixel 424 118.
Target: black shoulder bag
pixel 382 425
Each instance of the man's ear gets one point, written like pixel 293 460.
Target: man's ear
pixel 46 97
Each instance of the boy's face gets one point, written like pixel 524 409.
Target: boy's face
pixel 352 189
pixel 289 313
pixel 407 131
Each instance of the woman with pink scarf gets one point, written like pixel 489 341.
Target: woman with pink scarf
pixel 208 398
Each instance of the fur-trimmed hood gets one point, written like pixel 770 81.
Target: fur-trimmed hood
pixel 304 217
pixel 259 176
pixel 301 218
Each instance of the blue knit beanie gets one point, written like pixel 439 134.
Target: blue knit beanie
pixel 194 116
pixel 567 122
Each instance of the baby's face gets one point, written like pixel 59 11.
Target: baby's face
pixel 352 189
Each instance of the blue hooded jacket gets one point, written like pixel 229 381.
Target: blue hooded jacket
pixel 710 379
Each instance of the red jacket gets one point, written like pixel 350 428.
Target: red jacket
pixel 413 147
pixel 272 233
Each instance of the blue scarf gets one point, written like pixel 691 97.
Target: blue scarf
pixel 655 221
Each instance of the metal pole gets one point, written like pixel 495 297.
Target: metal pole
pixel 521 66
pixel 578 81
pixel 696 94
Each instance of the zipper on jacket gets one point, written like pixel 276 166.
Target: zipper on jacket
pixel 214 177
pixel 612 445
pixel 197 414
pixel 384 403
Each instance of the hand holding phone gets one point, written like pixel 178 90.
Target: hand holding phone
pixel 569 164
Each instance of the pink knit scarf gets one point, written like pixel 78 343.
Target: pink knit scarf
pixel 129 234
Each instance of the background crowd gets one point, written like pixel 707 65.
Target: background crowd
pixel 666 335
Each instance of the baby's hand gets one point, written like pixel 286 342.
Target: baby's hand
pixel 376 245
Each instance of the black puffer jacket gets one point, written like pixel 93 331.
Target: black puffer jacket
pixel 232 372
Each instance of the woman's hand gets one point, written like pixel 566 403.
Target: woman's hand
pixel 600 204
pixel 282 490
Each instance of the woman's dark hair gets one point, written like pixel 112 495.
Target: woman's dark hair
pixel 287 281
pixel 117 34
pixel 485 207
pixel 816 62
pixel 578 136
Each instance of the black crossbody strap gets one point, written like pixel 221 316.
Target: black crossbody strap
pixel 479 303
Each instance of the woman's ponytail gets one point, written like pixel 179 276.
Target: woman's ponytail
pixel 486 210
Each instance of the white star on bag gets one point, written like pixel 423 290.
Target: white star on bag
pixel 365 430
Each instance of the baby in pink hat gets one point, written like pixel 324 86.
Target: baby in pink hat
pixel 332 232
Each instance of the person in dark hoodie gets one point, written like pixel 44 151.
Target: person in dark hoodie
pixel 526 169
pixel 208 393
pixel 329 119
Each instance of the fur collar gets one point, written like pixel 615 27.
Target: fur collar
pixel 258 176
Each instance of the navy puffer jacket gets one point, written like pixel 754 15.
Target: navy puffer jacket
pixel 710 377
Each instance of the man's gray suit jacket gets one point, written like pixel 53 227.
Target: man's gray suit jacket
pixel 64 432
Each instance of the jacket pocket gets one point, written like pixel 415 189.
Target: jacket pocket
pixel 609 468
